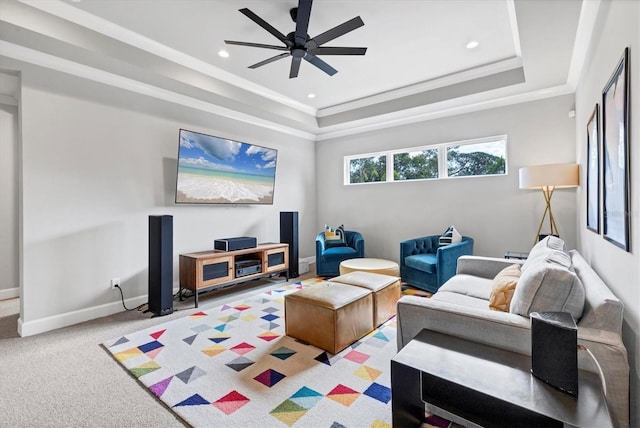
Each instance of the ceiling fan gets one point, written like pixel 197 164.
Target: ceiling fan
pixel 299 45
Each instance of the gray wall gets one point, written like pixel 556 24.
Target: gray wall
pixel 9 279
pixel 492 210
pixel 96 162
pixel 618 26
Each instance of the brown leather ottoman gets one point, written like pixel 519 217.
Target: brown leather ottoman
pixel 329 315
pixel 385 288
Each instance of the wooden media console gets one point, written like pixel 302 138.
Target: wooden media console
pixel 208 270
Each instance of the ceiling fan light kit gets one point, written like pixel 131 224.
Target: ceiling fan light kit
pixel 298 45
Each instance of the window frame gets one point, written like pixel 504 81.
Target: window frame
pixel 443 170
pixel 347 167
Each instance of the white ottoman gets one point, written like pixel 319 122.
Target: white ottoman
pixel 381 266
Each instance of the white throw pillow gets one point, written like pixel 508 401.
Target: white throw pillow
pixel 547 286
pixel 551 249
pixel 450 236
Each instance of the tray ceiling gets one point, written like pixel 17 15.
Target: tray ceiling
pixel 417 63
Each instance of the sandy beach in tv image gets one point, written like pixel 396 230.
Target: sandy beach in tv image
pixel 214 170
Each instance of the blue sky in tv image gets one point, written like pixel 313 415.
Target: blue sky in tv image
pixel 218 170
pixel 209 152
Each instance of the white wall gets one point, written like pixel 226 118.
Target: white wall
pixel 492 210
pixel 618 28
pixel 9 278
pixel 96 162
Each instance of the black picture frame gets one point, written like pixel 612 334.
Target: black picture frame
pixel 615 156
pixel 593 171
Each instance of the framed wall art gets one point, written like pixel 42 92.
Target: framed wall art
pixel 593 171
pixel 615 155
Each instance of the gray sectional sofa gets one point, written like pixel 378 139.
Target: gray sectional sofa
pixel 552 279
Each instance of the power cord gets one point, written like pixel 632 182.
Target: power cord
pixel 593 358
pixel 125 306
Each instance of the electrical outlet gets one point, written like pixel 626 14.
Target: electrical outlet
pixel 115 283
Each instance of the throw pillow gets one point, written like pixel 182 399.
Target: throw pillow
pixel 334 237
pixel 550 241
pixel 504 284
pixel 548 286
pixel 549 249
pixel 450 236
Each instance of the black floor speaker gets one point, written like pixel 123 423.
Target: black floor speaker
pixel 160 264
pixel 554 350
pixel 289 235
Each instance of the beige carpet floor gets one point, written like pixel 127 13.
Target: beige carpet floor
pixel 64 378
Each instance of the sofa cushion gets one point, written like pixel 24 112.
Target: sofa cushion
pixel 504 284
pixel 468 285
pixel 460 300
pixel 424 262
pixel 338 254
pixel 548 286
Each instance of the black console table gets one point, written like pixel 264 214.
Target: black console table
pixel 480 385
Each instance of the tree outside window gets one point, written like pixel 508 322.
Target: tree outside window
pixel 415 165
pixel 476 159
pixel 368 170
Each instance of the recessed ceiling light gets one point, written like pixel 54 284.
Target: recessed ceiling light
pixel 223 53
pixel 311 95
pixel 472 44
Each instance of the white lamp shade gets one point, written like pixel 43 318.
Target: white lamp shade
pixel 557 175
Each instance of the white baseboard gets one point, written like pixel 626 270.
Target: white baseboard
pixel 304 263
pixel 9 293
pixel 43 325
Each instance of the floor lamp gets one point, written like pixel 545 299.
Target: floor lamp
pixel 548 178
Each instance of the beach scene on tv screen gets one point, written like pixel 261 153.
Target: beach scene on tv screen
pixel 217 171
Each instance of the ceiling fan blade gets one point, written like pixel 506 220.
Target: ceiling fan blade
pixel 264 24
pixel 320 64
pixel 269 60
pixel 335 32
pixel 295 67
pixel 335 50
pixel 256 45
pixel 302 21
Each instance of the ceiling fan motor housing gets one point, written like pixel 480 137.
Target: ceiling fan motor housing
pixel 299 44
pixel 298 52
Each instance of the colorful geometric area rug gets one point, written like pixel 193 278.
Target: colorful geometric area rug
pixel 413 291
pixel 233 366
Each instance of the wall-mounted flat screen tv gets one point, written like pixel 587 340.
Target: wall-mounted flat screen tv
pixel 214 170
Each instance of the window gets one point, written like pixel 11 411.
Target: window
pixel 367 169
pixel 415 165
pixel 487 158
pixel 478 157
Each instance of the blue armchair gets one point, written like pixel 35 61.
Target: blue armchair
pixel 328 259
pixel 426 265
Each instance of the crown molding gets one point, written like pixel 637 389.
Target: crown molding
pixel 449 80
pixel 31 56
pixel 584 34
pixel 472 102
pixel 109 29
